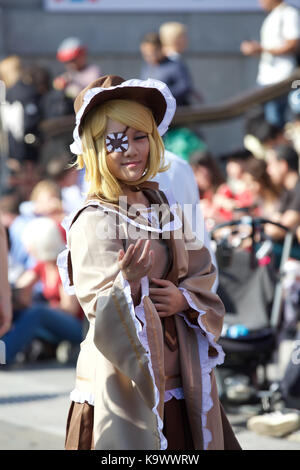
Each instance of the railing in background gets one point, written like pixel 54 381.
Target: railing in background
pixel 205 114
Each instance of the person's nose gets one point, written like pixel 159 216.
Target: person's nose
pixel 132 150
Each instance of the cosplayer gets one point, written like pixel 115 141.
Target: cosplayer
pixel 145 370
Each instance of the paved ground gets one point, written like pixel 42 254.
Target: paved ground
pixel 34 404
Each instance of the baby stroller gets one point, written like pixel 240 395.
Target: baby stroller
pixel 250 286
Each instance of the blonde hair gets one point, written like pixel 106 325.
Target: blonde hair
pixel 10 70
pixel 42 237
pixel 103 183
pixel 170 32
pixel 47 186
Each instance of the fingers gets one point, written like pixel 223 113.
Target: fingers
pixel 142 256
pixel 126 259
pixel 145 253
pixel 151 261
pixel 160 307
pixel 157 291
pixel 137 256
pixel 162 299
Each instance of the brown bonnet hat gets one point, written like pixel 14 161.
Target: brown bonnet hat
pixel 153 94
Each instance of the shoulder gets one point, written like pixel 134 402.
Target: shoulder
pixel 290 12
pixel 177 162
pixel 178 166
pixel 89 221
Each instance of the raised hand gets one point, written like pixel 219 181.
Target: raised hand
pixel 137 261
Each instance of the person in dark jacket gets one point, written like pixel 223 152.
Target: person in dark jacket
pixel 22 113
pixel 162 68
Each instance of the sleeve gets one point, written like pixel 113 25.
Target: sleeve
pixel 181 80
pixel 94 251
pixel 291 24
pixel 105 295
pixel 206 308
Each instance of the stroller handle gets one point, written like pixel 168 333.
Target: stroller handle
pixel 287 245
pixel 254 221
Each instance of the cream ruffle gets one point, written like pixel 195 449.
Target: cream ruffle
pixel 207 364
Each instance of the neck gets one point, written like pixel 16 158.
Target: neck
pixel 291 179
pixel 276 4
pixel 168 50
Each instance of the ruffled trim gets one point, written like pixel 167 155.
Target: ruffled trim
pixel 207 364
pixel 80 397
pixel 62 264
pixel 174 393
pixel 138 313
pixel 76 146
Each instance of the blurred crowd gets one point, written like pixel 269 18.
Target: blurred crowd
pixel 258 179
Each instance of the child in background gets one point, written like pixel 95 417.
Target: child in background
pixel 58 318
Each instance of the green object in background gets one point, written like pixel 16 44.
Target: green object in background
pixel 183 142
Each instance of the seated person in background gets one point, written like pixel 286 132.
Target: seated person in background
pixel 66 177
pixel 57 319
pixel 234 167
pixel 160 67
pixel 216 198
pixel 283 168
pixel 260 135
pixel 45 200
pixel 265 194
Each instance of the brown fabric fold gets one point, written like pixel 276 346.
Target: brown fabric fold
pixel 176 426
pixel 169 326
pixel 79 430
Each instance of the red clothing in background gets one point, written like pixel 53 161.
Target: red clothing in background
pixel 50 292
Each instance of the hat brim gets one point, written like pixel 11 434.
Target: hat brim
pixel 152 93
pixel 149 97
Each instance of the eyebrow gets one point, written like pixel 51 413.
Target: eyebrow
pixel 118 132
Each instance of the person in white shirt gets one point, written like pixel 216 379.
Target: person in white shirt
pixel 278 46
pixel 179 181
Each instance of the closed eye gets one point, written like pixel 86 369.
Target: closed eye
pixel 140 137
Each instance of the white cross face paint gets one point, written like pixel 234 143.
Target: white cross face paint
pixel 116 142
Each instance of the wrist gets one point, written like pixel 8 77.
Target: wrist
pixel 135 286
pixel 184 303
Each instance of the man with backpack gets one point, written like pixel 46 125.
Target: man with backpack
pixel 278 49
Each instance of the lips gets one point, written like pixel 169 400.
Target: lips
pixel 131 164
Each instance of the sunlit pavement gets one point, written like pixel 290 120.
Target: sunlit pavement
pixel 34 402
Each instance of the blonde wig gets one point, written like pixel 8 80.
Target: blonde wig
pixel 103 183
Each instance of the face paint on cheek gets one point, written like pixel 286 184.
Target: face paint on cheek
pixel 116 142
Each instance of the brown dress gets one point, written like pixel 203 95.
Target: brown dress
pixel 177 426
